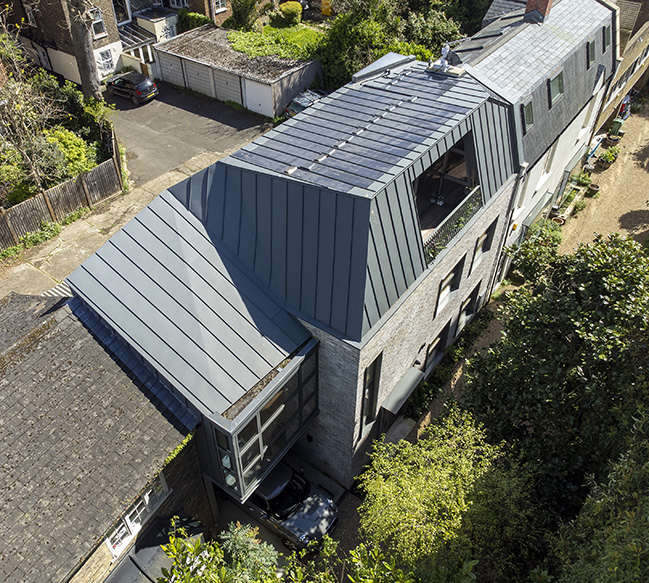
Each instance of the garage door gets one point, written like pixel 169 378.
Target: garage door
pixel 259 98
pixel 171 69
pixel 228 86
pixel 199 78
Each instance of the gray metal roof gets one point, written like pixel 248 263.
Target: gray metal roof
pixel 359 138
pixel 176 296
pixel 516 55
pixel 500 7
pixel 81 437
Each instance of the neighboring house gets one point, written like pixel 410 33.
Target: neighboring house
pixel 203 60
pixel 124 31
pixel 294 293
pixel 553 64
pixel 84 441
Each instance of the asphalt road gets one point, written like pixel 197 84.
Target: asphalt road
pixel 162 134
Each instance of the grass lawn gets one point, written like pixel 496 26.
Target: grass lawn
pixel 296 42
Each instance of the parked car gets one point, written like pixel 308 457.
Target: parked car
pixel 135 86
pixel 302 101
pixel 295 509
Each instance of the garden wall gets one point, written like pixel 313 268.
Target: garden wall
pixel 56 203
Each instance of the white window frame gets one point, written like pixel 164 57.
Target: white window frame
pixel 483 244
pixel 220 6
pixel 137 515
pixel 178 4
pixel 106 64
pixel 97 18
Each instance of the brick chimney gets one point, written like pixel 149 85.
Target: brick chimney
pixel 540 6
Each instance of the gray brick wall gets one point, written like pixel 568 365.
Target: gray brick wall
pixel 339 445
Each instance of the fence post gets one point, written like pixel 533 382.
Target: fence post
pixel 116 159
pixel 85 190
pixel 49 206
pixel 5 216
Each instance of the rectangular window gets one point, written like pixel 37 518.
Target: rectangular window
pixel 98 28
pixel 528 115
pixel 106 63
pixel 468 309
pixel 483 244
pixel 371 380
pixel 437 347
pixel 590 54
pixel 220 6
pixel 137 516
pixel 644 55
pixel 178 4
pixel 547 167
pixel 555 88
pixel 30 15
pixel 606 38
pixel 449 284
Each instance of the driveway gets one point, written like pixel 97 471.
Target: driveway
pixel 164 133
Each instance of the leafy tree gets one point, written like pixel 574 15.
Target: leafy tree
pixel 244 14
pixel 609 541
pixel 540 247
pixel 570 370
pixel 82 40
pixel 417 494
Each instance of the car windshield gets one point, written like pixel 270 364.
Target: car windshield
pixel 290 498
pixel 144 85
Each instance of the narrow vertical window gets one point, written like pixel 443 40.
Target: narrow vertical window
pixel 371 389
pixel 528 115
pixel 555 88
pixel 590 54
pixel 606 38
pixel 98 28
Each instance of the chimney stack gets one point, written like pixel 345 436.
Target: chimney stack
pixel 540 6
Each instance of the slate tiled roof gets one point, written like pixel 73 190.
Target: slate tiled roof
pixel 81 438
pixel 178 298
pixel 500 7
pixel 357 139
pixel 515 55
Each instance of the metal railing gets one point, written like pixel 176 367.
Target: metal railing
pixel 453 224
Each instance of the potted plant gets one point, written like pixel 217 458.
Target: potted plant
pixel 608 157
pixel 612 139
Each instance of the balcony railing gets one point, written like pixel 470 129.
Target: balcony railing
pixel 452 225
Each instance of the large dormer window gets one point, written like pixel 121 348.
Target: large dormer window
pixel 555 88
pixel 122 11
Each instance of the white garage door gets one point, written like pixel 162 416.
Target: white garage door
pixel 259 98
pixel 199 78
pixel 171 69
pixel 228 86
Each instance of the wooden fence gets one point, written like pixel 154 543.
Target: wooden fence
pixel 56 203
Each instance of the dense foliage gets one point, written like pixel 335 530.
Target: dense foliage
pixel 244 14
pixel 570 372
pixel 188 20
pixel 49 132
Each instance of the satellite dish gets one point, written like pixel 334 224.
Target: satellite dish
pixel 453 59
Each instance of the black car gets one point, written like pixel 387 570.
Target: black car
pixel 137 87
pixel 298 511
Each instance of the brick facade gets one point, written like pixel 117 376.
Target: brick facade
pixel 187 496
pixel 338 444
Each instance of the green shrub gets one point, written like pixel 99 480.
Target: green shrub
pixel 584 178
pixel 291 12
pixel 79 156
pixel 540 247
pixel 244 14
pixel 75 215
pixel 580 205
pixel 188 20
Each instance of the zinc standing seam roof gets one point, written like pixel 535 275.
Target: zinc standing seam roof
pixel 196 317
pixel 359 138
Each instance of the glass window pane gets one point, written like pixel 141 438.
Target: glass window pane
pixel 231 481
pixel 309 388
pixel 222 440
pixel 308 366
pixel 250 454
pixel 247 433
pixel 309 407
pixel 270 408
pixel 252 473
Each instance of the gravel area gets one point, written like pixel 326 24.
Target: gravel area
pixel 622 206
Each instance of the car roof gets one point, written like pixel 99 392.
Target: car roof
pixel 275 482
pixel 134 76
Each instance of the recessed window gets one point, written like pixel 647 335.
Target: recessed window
pixel 483 244
pixel 436 348
pixel 106 63
pixel 590 54
pixel 178 4
pixel 137 516
pixel 527 110
pixel 371 380
pixel 468 309
pixel 449 284
pixel 98 28
pixel 556 88
pixel 220 6
pixel 606 38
